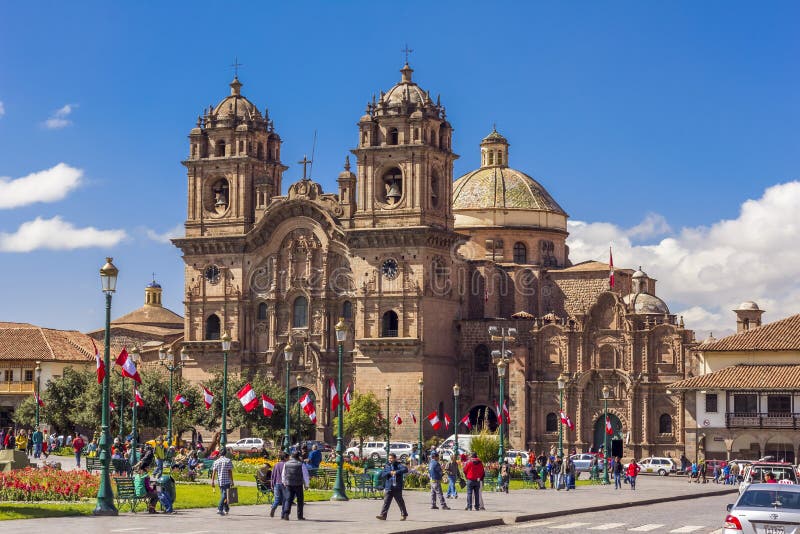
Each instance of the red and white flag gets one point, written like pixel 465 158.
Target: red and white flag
pixel 247 397
pixel 611 269
pixel 397 419
pixel 101 367
pixel 208 397
pixel 183 400
pixel 466 422
pixel 166 401
pixel 347 398
pixel 446 421
pixel 308 406
pixel 112 406
pixel 433 419
pixel 609 428
pixel 39 400
pixel 137 397
pixel 268 405
pixel 497 412
pixel 413 417
pixel 506 414
pixel 566 420
pixel 334 396
pixel 128 367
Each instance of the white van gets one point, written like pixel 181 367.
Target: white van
pixel 464 445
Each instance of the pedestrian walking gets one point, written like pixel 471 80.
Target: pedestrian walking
pixel 453 475
pixel 474 472
pixel 616 469
pixel 435 474
pixel 77 446
pixel 570 474
pixel 295 480
pixel 277 484
pixel 222 473
pixel 37 438
pixel 561 470
pixel 633 471
pixel 393 475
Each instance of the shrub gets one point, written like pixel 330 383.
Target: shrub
pixel 487 445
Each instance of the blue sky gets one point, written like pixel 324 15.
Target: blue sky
pixel 651 123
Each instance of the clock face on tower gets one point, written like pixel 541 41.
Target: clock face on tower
pixel 212 274
pixel 390 269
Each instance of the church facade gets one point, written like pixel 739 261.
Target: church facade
pixel 420 266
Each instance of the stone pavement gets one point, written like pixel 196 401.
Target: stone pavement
pixel 358 516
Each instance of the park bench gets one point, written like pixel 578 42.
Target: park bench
pixel 263 492
pixel 93 463
pixel 126 493
pixel 206 466
pixel 365 485
pixel 121 466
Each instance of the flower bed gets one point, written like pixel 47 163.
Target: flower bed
pixel 31 484
pixel 251 465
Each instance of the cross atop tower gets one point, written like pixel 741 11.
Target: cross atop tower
pixel 406 50
pixel 305 163
pixel 236 66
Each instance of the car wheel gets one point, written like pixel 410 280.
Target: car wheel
pixel 403 457
pixel 662 472
pixel 375 456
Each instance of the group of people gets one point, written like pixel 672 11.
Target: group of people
pixel 720 472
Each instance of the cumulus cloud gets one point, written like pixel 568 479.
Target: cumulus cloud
pixel 49 185
pixel 60 118
pixel 57 234
pixel 165 237
pixel 2 108
pixel 704 272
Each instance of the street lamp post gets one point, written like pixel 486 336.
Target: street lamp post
pixel 121 405
pixel 167 359
pixel 134 437
pixel 562 383
pixel 606 394
pixel 502 357
pixel 38 372
pixel 501 372
pixel 388 419
pixel 456 394
pixel 299 380
pixel 419 420
pixel 226 347
pixel 288 352
pixel 105 497
pixel 338 487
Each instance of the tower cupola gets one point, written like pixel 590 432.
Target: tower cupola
pixel 494 150
pixel 152 294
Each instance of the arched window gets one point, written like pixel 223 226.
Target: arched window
pixel 212 327
pixel 260 150
pixel 220 148
pixel 300 313
pixel 491 157
pixel 665 424
pixel 347 310
pixel 262 311
pixel 393 186
pixel 364 138
pixel 483 359
pixel 551 423
pixel 393 137
pixel 499 158
pixel 520 252
pixel 389 324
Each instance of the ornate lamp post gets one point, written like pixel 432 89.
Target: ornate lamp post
pixel 606 394
pixel 121 405
pixel 388 419
pixel 501 372
pixel 136 358
pixel 299 380
pixel 38 372
pixel 562 383
pixel 105 497
pixel 502 357
pixel 288 352
pixel 338 487
pixel 226 347
pixel 456 394
pixel 419 442
pixel 167 359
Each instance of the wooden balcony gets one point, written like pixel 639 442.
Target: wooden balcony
pixel 762 420
pixel 16 387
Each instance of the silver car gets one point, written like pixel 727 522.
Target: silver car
pixel 765 509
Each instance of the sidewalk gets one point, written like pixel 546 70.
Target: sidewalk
pixel 359 515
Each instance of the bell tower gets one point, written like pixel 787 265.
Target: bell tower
pixel 234 167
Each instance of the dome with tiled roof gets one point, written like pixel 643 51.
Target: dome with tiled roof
pixel 497 195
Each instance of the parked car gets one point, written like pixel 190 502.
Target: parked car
pixel 764 509
pixel 583 461
pixel 511 456
pixel 656 465
pixel 248 445
pixel 756 472
pixel 321 445
pixel 376 450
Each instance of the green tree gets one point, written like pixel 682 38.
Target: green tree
pixel 25 413
pixel 60 396
pixel 363 420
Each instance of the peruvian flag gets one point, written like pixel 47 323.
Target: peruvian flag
pixel 611 269
pixel 609 428
pixel 39 400
pixel 183 400
pixel 506 414
pixel 499 415
pixel 137 397
pixel 413 417
pixel 166 401
pixel 128 367
pixel 446 421
pixel 466 422
pixel 208 397
pixel 433 419
pixel 101 367
pixel 347 398
pixel 268 405
pixel 308 406
pixel 334 396
pixel 247 397
pixel 566 420
pixel 112 406
pixel 397 419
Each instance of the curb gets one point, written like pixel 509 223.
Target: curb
pixel 457 527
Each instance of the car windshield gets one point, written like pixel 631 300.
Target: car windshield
pixel 758 474
pixel 789 500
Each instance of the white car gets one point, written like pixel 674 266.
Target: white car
pixel 376 450
pixel 757 472
pixel 662 466
pixel 764 509
pixel 248 445
pixel 511 457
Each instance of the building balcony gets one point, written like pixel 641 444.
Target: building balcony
pixel 16 387
pixel 762 420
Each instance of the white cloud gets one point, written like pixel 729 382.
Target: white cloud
pixel 60 119
pixel 708 270
pixel 2 108
pixel 165 237
pixel 57 234
pixel 49 185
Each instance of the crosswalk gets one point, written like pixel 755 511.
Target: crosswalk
pixel 656 528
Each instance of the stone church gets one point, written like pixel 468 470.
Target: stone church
pixel 420 266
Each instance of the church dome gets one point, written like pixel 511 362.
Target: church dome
pixel 236 105
pixel 406 91
pixel 644 303
pixel 748 305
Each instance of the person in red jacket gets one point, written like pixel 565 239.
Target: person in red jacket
pixel 473 470
pixel 77 445
pixel 632 471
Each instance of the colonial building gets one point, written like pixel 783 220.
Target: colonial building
pixel 745 401
pixel 419 265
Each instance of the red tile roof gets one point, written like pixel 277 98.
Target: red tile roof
pixel 780 335
pixel 745 376
pixel 22 341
